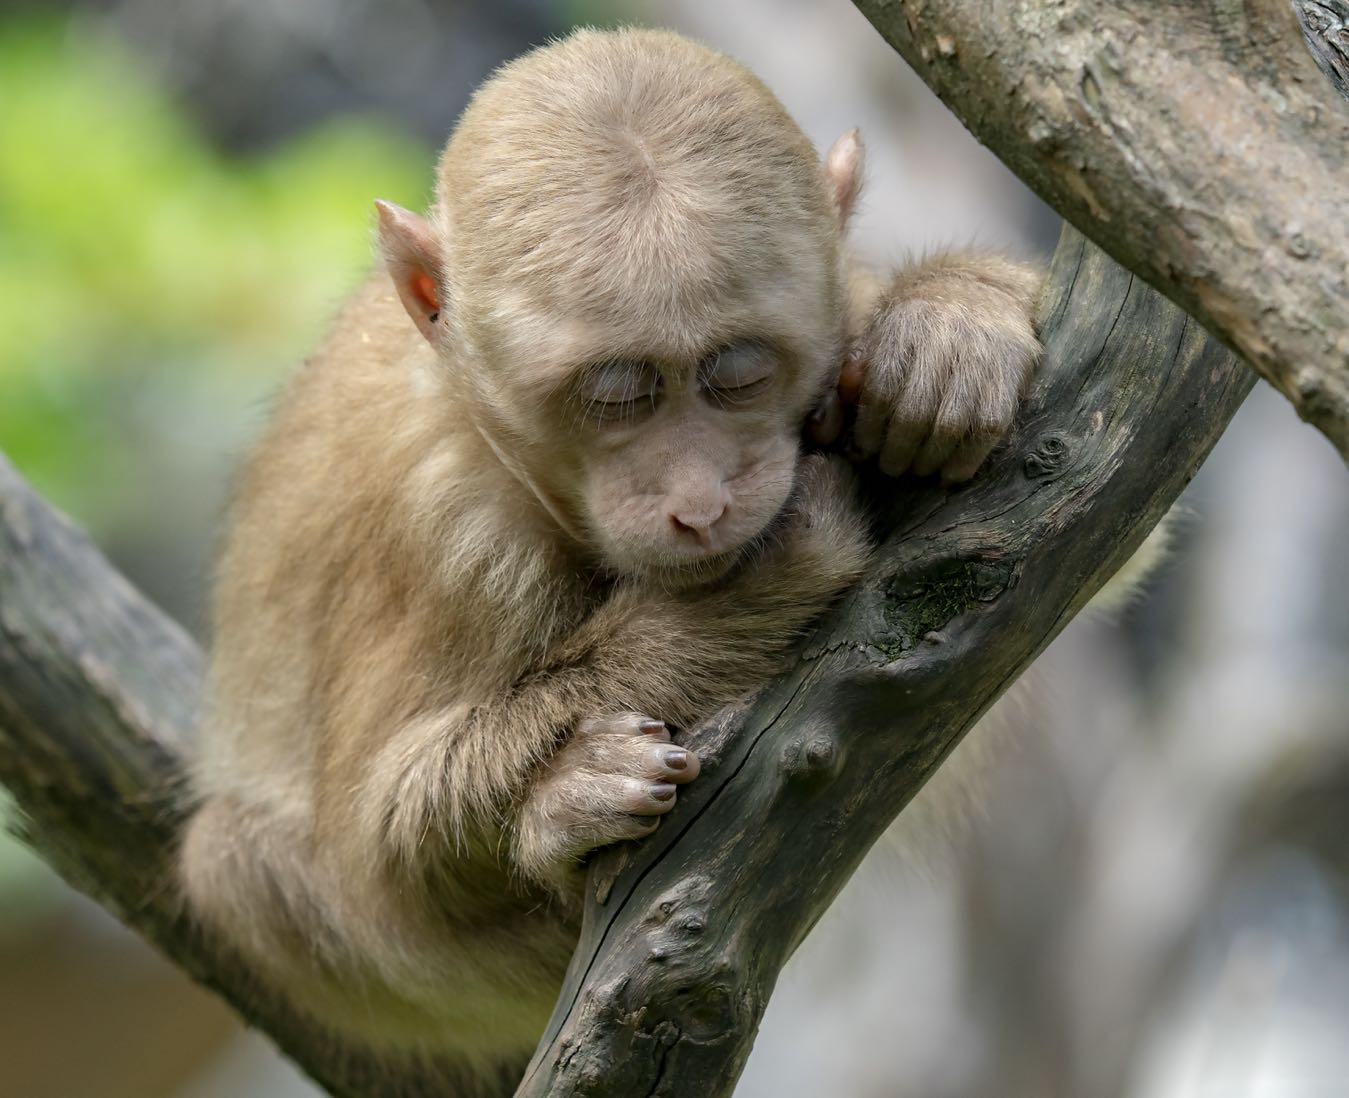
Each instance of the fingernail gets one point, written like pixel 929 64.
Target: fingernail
pixel 651 726
pixel 677 760
pixel 662 791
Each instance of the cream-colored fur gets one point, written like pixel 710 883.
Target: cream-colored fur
pixel 463 600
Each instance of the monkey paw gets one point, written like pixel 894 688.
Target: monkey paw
pixel 611 781
pixel 939 372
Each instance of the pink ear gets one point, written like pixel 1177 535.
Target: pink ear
pixel 843 169
pixel 412 255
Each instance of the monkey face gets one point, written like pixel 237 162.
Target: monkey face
pixel 683 466
pixel 638 295
pixel 650 376
pixel 663 417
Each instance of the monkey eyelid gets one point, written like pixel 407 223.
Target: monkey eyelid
pixel 614 389
pixel 619 382
pixel 739 370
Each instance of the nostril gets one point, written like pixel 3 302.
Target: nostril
pixel 695 523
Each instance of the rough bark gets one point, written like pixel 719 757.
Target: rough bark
pixel 684 934
pixel 1325 25
pixel 1196 143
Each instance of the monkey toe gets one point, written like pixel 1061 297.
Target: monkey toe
pixel 672 764
pixel 625 724
pixel 620 829
pixel 646 798
pixel 634 745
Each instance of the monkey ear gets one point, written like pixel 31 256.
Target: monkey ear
pixel 412 255
pixel 843 169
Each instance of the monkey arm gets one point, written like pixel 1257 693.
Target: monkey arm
pixel 674 658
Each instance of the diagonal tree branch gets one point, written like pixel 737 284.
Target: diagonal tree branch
pixel 1196 143
pixel 1325 25
pixel 684 936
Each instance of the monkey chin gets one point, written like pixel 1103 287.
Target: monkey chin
pixel 684 574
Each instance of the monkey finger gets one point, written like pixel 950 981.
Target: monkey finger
pixel 937 450
pixel 960 415
pixel 851 377
pixel 968 456
pixel 902 443
pixel 624 724
pixel 868 431
pixel 581 839
pixel 645 798
pixel 650 726
pixel 914 405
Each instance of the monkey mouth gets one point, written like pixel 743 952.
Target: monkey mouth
pixel 685 573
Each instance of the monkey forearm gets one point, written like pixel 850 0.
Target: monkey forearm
pixel 866 286
pixel 949 278
pixel 672 658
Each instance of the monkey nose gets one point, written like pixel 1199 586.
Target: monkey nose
pixel 696 523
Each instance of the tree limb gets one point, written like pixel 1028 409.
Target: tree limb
pixel 97 694
pixel 1196 143
pixel 684 935
pixel 1325 25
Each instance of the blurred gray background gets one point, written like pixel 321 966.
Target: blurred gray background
pixel 1151 898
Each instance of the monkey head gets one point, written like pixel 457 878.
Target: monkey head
pixel 633 276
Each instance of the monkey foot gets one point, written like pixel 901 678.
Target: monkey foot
pixel 611 781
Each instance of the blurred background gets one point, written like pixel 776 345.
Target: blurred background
pixel 1153 901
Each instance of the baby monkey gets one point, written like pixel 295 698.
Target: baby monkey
pixel 540 497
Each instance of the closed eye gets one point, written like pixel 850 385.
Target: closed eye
pixel 738 372
pixel 618 390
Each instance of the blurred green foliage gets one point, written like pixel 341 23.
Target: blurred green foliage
pixel 142 272
pixel 27 887
pixel 151 288
pixel 595 13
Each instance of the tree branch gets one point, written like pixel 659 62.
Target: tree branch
pixel 97 694
pixel 1325 25
pixel 685 934
pixel 1198 144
